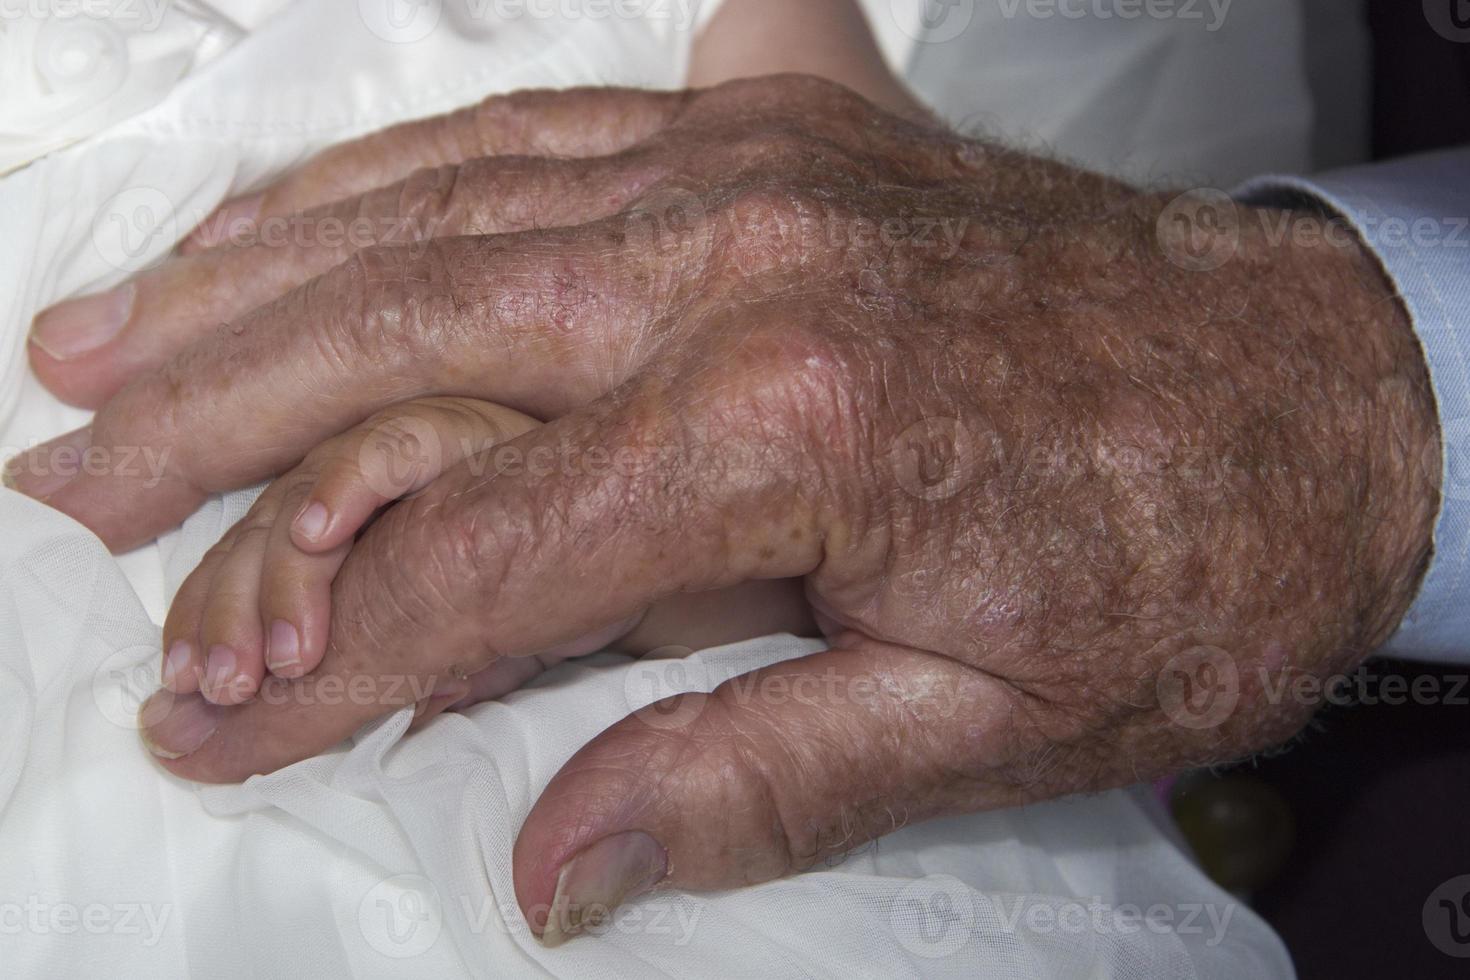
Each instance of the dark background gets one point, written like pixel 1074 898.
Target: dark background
pixel 1379 795
pixel 1421 82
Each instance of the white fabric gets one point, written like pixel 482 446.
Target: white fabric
pixel 1211 91
pixel 1174 92
pixel 391 856
pixel 72 67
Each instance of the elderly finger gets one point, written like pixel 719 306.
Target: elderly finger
pixel 770 774
pixel 477 568
pixel 537 321
pixel 584 122
pixel 86 349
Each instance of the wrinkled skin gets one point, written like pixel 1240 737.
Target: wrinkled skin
pixel 1024 479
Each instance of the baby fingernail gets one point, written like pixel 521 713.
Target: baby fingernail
pixel 44 470
pixel 176 663
pixel 77 326
pixel 174 725
pixel 283 649
pixel 219 675
pixel 312 521
pixel 599 879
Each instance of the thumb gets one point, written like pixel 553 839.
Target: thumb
pixel 769 774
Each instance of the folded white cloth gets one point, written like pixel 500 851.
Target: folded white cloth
pixel 391 856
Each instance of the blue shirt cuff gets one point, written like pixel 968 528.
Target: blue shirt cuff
pixel 1415 215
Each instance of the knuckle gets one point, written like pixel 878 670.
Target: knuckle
pixel 502 120
pixel 765 224
pixel 426 199
pixel 471 545
pixel 385 303
pixel 775 148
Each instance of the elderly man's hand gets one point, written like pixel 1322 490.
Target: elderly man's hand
pixel 1050 455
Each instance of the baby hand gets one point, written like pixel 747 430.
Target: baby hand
pixel 261 598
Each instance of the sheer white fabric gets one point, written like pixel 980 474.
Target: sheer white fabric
pixel 391 856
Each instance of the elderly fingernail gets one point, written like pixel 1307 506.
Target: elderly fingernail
pixel 174 725
pixel 45 469
pixel 311 523
pixel 176 663
pixel 78 326
pixel 283 649
pixel 599 879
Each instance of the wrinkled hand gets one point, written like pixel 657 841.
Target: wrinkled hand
pixel 1038 477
